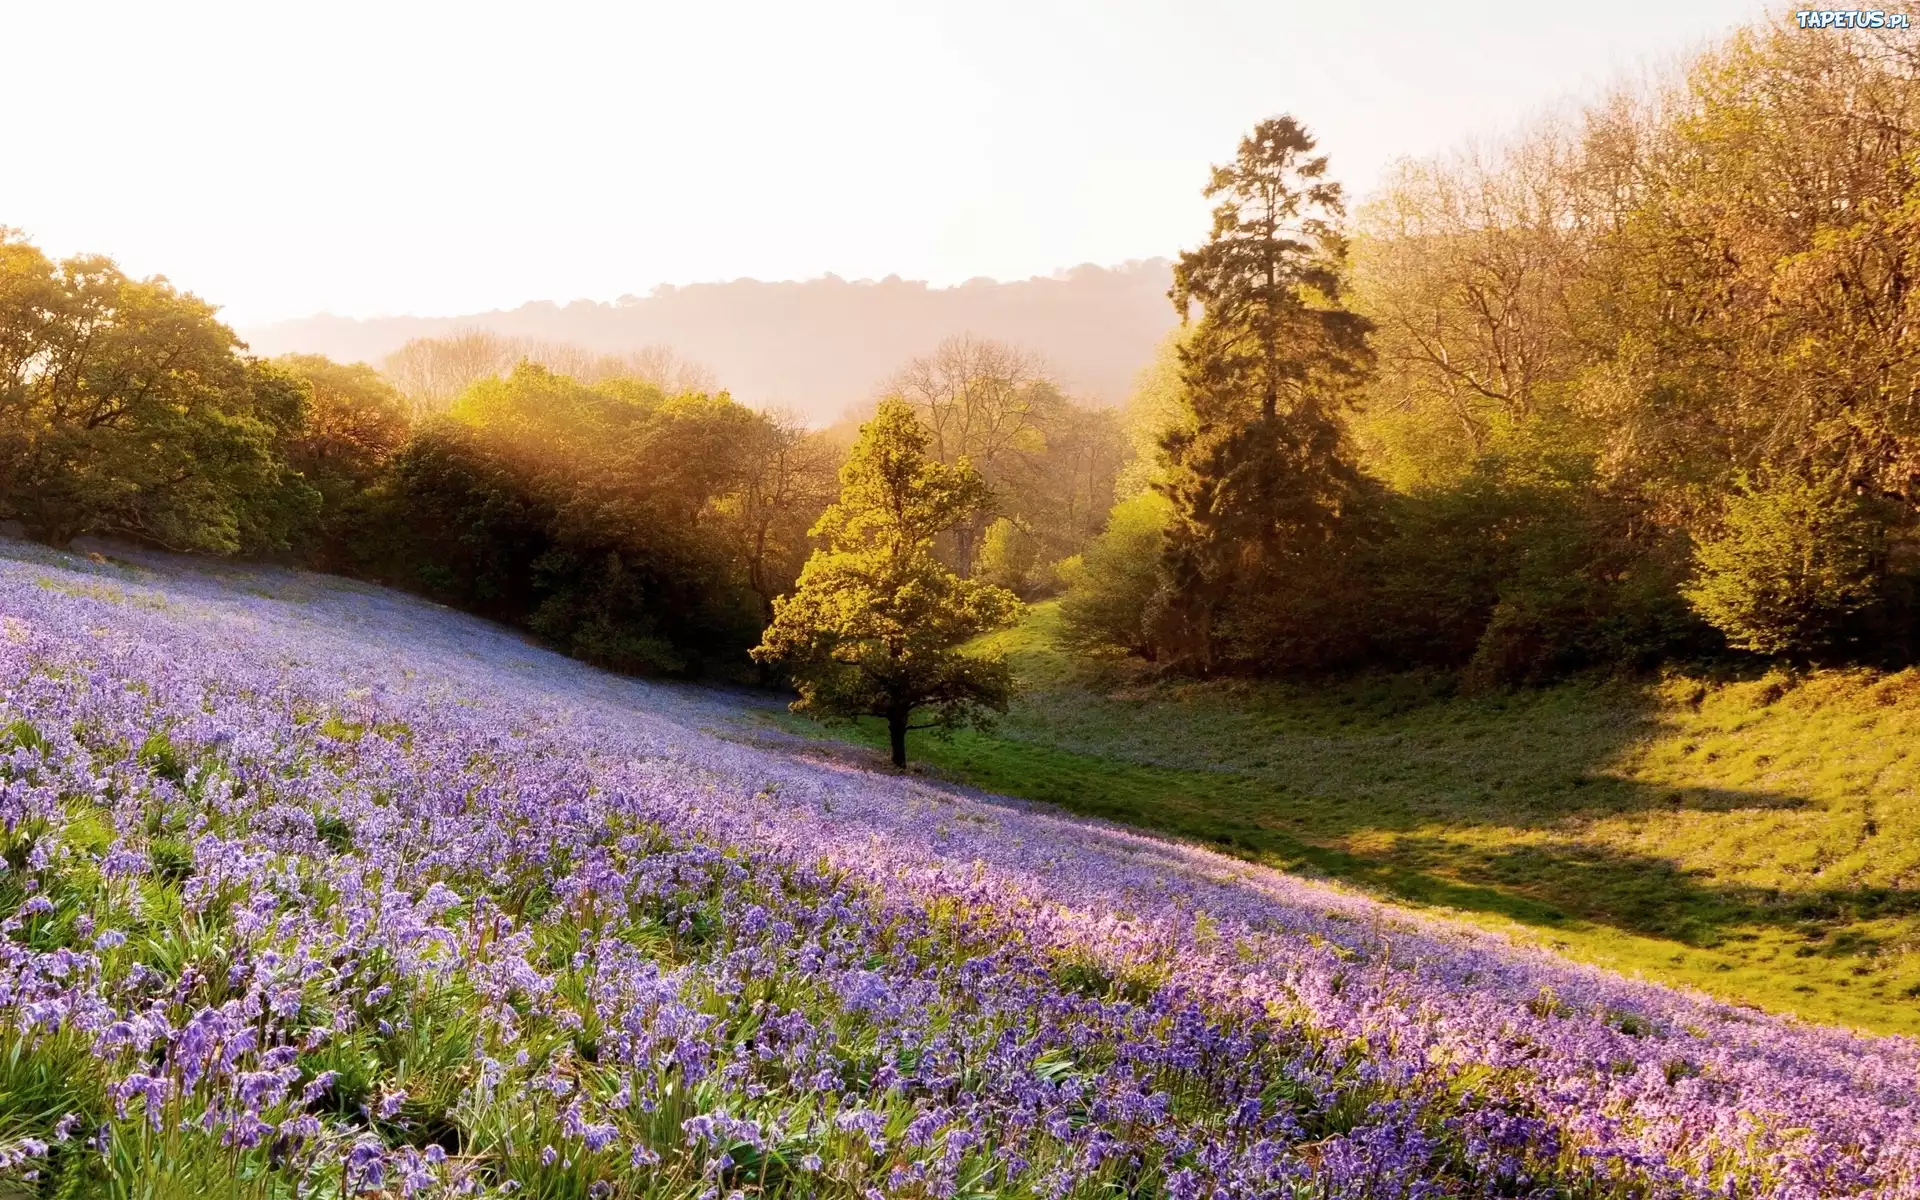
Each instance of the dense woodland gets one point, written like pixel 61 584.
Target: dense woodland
pixel 1636 385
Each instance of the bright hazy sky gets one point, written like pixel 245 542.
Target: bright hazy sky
pixel 282 158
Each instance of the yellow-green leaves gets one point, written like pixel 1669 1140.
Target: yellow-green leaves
pixel 875 623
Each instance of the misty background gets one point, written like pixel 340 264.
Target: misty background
pixel 815 347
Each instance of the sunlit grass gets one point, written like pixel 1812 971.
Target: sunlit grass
pixel 1758 839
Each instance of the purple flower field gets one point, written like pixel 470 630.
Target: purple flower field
pixel 312 889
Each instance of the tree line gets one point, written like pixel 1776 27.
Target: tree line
pixel 1637 386
pixel 621 508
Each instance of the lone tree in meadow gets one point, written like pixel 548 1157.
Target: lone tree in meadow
pixel 874 624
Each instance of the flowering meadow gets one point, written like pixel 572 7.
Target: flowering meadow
pixel 314 890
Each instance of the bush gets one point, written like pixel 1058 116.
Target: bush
pixel 1010 558
pixel 1792 565
pixel 1526 570
pixel 1301 612
pixel 1113 585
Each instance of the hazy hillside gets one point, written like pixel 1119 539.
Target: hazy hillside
pixel 818 345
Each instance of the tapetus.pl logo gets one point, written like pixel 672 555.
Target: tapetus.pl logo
pixel 1851 18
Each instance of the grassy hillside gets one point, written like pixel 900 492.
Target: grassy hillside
pixel 1758 839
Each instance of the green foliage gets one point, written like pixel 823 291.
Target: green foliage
pixel 1523 571
pixel 1571 352
pixel 1683 293
pixel 126 409
pixel 159 755
pixel 589 515
pixel 355 423
pixel 873 626
pixel 640 530
pixel 1307 611
pixel 1510 434
pixel 1112 587
pixel 1010 558
pixel 1157 405
pixel 1793 561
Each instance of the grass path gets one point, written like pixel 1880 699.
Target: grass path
pixel 1759 840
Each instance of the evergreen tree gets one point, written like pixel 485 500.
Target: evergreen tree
pixel 874 626
pixel 1255 469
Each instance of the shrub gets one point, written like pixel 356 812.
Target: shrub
pixel 1793 561
pixel 1112 586
pixel 1010 558
pixel 1301 612
pixel 1525 570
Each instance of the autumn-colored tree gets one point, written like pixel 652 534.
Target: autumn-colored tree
pixel 875 624
pixel 355 423
pixel 1467 266
pixel 356 420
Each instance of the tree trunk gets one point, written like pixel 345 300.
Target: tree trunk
pixel 897 736
pixel 964 537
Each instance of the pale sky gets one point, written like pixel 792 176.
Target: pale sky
pixel 282 159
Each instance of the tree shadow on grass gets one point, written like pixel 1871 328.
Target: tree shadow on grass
pixel 1523 807
pixel 1480 806
pixel 1547 882
pixel 1649 895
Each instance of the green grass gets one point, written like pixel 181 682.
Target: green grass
pixel 1759 839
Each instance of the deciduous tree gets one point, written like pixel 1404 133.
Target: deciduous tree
pixel 875 625
pixel 989 403
pixel 126 408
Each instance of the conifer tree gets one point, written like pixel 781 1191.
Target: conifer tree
pixel 874 624
pixel 1255 469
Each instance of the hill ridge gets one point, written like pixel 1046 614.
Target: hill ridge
pixel 816 345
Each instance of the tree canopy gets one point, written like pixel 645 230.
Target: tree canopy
pixel 874 626
pixel 624 525
pixel 1255 465
pixel 1637 385
pixel 126 409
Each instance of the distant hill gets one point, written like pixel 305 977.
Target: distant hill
pixel 821 345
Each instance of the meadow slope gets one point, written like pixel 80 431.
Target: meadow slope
pixel 1758 838
pixel 315 889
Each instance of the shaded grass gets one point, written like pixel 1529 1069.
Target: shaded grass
pixel 1758 839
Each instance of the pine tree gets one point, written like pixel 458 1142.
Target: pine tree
pixel 1255 469
pixel 874 624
